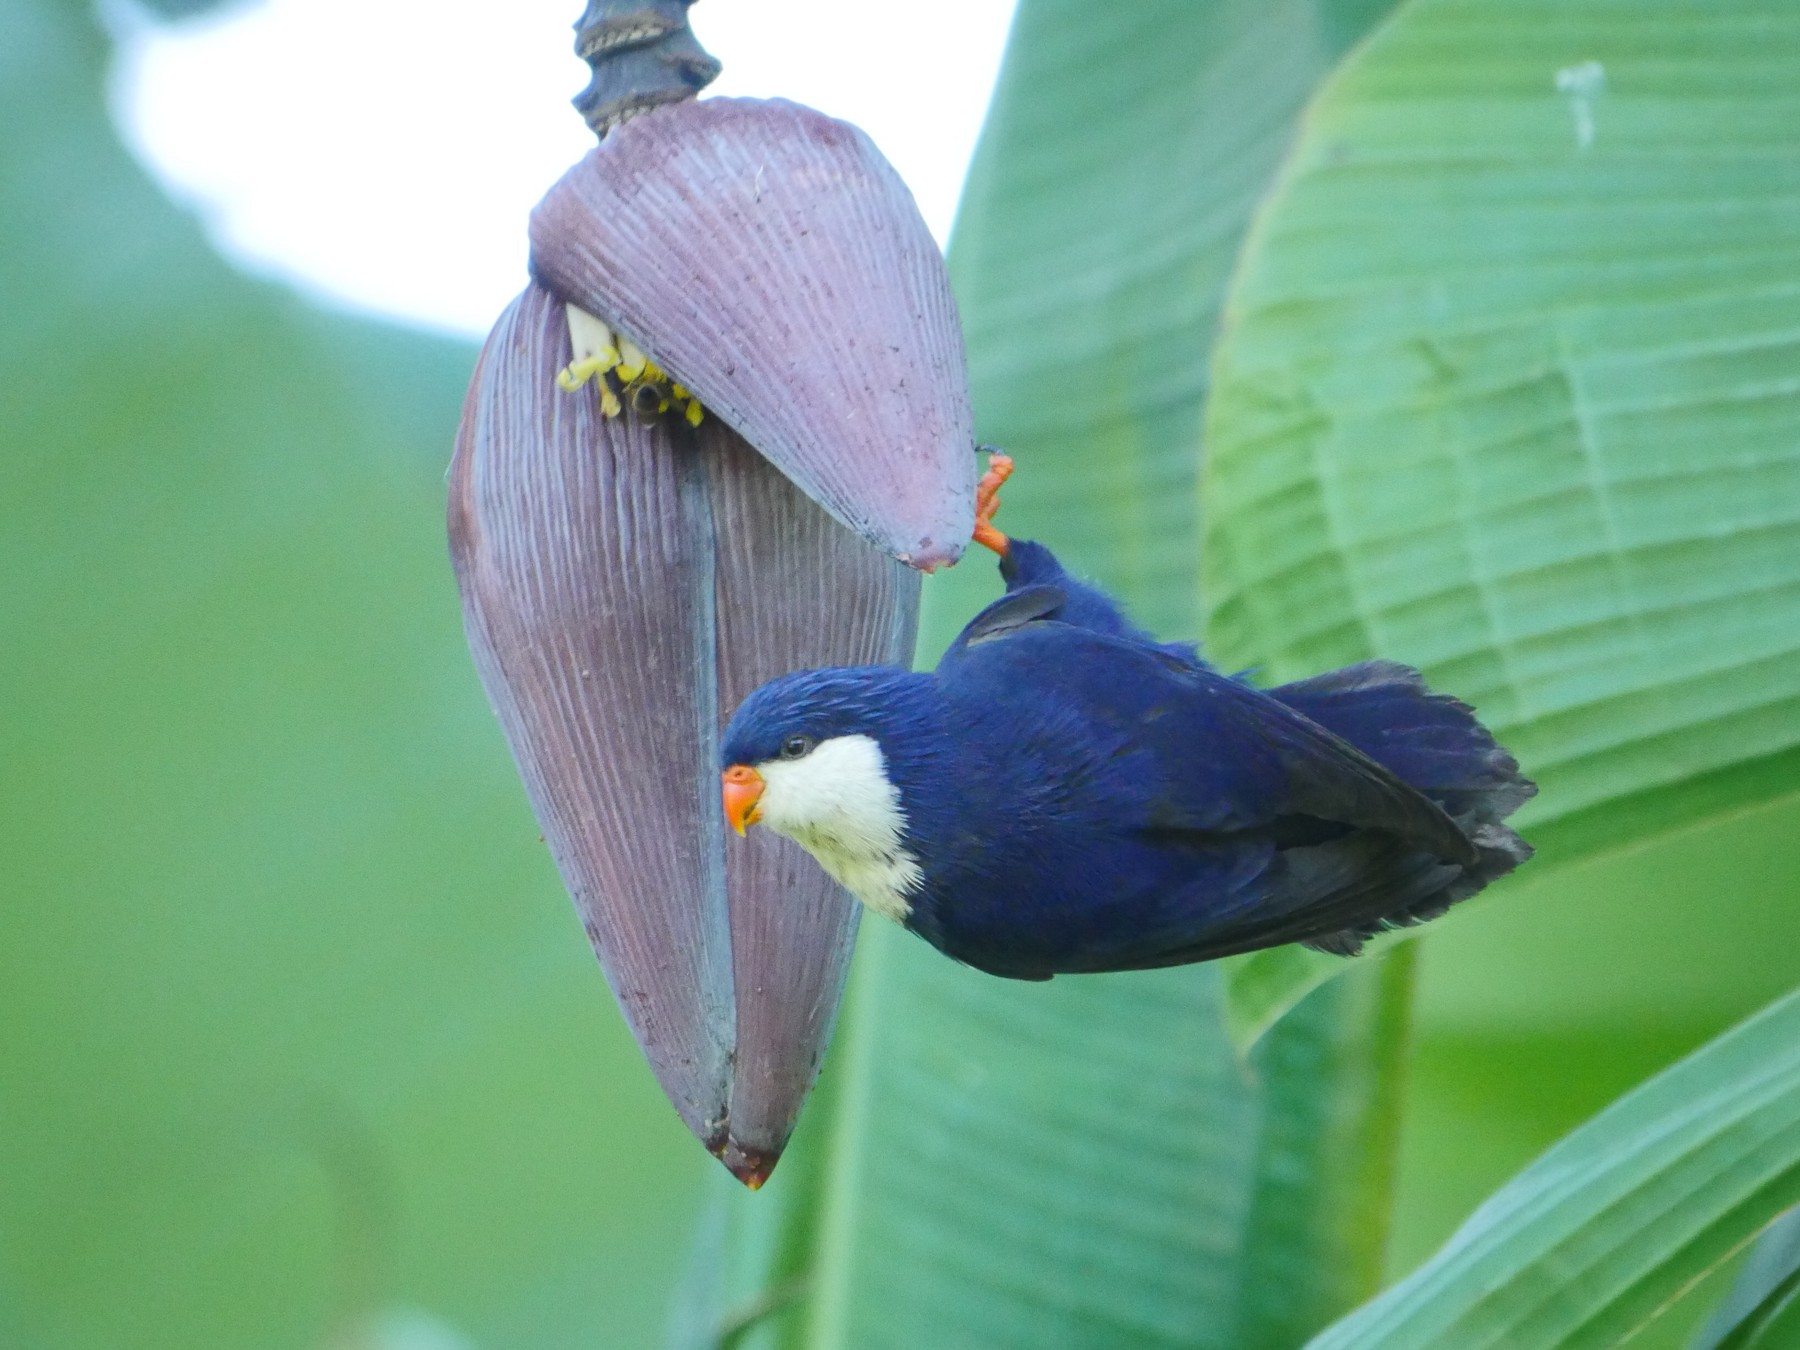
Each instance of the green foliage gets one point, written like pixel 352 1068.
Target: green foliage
pixel 1124 152
pixel 988 1139
pixel 1597 1237
pixel 1263 987
pixel 1506 389
pixel 300 1027
pixel 999 1137
pixel 1762 1310
pixel 1492 398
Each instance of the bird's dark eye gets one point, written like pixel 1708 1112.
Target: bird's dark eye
pixel 796 747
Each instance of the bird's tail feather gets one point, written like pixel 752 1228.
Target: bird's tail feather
pixel 1436 744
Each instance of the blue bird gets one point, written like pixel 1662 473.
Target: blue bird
pixel 1066 794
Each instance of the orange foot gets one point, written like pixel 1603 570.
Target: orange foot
pixel 987 502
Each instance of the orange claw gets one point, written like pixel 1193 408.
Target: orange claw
pixel 987 502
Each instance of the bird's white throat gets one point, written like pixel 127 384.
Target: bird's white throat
pixel 838 804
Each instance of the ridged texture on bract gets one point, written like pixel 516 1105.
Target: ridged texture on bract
pixel 624 584
pixel 773 262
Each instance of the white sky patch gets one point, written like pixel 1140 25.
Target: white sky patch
pixel 373 154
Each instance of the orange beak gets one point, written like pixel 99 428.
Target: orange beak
pixel 743 788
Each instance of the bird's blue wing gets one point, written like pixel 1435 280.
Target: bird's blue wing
pixel 1331 896
pixel 1163 743
pixel 1152 812
pixel 1433 741
pixel 1011 612
pixel 1028 565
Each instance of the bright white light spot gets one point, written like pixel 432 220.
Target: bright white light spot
pixel 373 153
pixel 1583 84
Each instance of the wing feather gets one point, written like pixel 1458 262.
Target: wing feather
pixel 1202 752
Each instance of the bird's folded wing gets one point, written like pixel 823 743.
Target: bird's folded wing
pixel 1012 611
pixel 1331 779
pixel 1169 742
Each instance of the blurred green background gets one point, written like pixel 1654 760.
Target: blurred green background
pixel 303 1045
pixel 299 1026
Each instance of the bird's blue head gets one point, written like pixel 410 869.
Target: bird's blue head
pixel 829 758
pixel 816 706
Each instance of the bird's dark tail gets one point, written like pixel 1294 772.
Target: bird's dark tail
pixel 1434 743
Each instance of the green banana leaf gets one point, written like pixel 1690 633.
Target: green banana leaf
pixel 1506 389
pixel 302 1037
pixel 1122 157
pixel 1093 1165
pixel 1777 1327
pixel 1775 1324
pixel 1094 1161
pixel 750 1271
pixel 1613 1224
pixel 1762 1309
